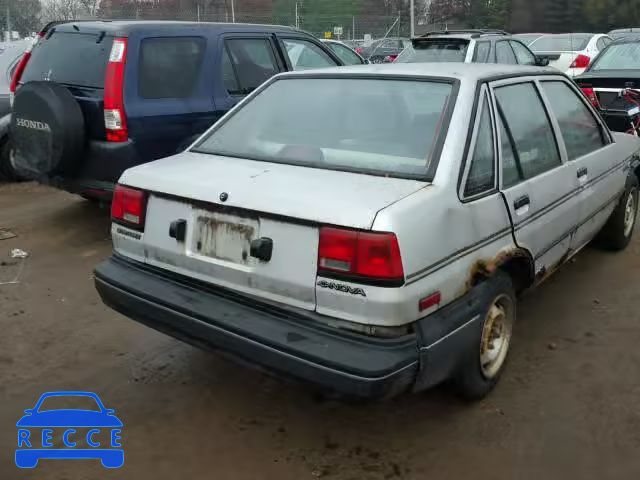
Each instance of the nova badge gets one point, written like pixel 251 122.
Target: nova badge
pixel 341 288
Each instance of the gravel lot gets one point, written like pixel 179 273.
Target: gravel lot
pixel 568 406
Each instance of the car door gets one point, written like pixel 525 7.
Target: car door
pixel 523 54
pixel 504 53
pixel 245 62
pixel 591 154
pixel 535 182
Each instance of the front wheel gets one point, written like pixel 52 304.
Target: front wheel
pixel 617 232
pixel 485 362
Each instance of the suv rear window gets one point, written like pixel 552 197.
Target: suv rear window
pixel 436 50
pixel 70 58
pixel 169 67
pixel 368 125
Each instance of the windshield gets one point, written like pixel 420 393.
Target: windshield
pixel 375 126
pixel 561 43
pixel 437 50
pixel 73 402
pixel 621 56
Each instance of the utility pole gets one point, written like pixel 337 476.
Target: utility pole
pixel 353 29
pixel 412 7
pixel 297 20
pixel 233 11
pixel 8 35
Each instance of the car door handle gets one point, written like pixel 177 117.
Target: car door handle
pixel 582 172
pixel 521 202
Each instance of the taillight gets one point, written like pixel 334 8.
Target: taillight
pixel 581 61
pixel 129 206
pixel 19 70
pixel 358 50
pixel 352 253
pixel 115 120
pixel 590 93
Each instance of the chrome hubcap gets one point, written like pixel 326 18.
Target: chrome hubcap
pixel 629 214
pixel 496 336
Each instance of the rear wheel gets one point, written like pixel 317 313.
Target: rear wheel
pixel 485 363
pixel 617 232
pixel 7 171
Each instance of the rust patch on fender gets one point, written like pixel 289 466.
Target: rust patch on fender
pixel 484 268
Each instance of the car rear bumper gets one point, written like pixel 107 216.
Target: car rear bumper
pixel 286 340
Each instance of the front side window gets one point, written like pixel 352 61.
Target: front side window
pixel 527 121
pixel 481 177
pixel 253 62
pixel 580 130
pixel 304 55
pixel 348 56
pixel 523 54
pixel 386 127
pixel 175 60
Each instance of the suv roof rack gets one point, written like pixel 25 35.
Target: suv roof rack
pixel 475 32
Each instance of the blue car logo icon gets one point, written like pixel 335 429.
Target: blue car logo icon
pixel 99 430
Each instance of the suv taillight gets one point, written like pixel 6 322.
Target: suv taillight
pixel 129 206
pixel 581 61
pixel 115 120
pixel 19 70
pixel 356 255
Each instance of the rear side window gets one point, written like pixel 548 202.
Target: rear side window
pixel 481 54
pixel 504 53
pixel 385 127
pixel 253 62
pixel 523 54
pixel 528 124
pixel 170 66
pixel 70 58
pixel 481 177
pixel 579 128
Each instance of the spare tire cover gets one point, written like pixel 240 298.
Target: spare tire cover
pixel 47 130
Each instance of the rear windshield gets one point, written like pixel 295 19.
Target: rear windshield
pixel 622 56
pixel 70 58
pixel 386 127
pixel 437 50
pixel 561 43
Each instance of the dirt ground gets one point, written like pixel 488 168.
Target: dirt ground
pixel 567 407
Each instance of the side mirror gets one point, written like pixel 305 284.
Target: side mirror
pixel 542 61
pixel 29 411
pixel 109 411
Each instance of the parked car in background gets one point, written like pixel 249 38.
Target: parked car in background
pixel 527 38
pixel 612 84
pixel 96 98
pixel 381 251
pixel 624 32
pixel 10 54
pixel 570 53
pixel 473 46
pixel 378 50
pixel 346 54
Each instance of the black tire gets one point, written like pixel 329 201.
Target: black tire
pixel 7 172
pixel 47 130
pixel 616 234
pixel 476 379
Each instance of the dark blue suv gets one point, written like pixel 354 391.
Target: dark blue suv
pixel 95 98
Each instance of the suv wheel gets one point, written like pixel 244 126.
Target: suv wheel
pixel 484 365
pixel 7 170
pixel 617 232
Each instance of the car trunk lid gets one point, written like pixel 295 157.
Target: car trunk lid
pixel 253 226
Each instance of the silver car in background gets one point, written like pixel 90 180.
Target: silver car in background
pixel 381 251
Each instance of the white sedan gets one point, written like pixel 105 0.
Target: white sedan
pixel 570 53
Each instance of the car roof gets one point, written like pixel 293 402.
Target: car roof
pixel 126 26
pixel 454 70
